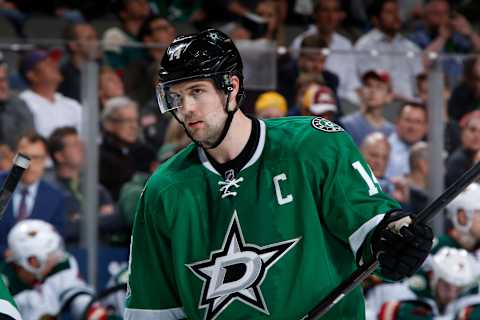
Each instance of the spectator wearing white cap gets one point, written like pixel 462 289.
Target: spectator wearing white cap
pixel 319 101
pixel 374 94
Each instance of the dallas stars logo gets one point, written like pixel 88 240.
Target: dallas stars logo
pixel 236 271
pixel 322 124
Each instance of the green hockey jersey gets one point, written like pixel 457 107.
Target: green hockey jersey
pixel 266 243
pixel 7 305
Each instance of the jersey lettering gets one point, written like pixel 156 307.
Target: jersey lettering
pixel 372 188
pixel 280 198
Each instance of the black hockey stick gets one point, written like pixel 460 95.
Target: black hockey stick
pixel 20 164
pixel 364 271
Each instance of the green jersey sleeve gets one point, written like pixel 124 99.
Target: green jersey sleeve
pixel 151 266
pixel 352 201
pixel 7 305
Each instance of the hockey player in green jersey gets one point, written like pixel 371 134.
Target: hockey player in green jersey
pixel 8 308
pixel 256 219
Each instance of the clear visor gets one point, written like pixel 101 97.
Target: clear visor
pixel 169 101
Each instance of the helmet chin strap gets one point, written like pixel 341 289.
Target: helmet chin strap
pixel 225 129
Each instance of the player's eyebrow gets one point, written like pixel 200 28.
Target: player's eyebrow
pixel 195 86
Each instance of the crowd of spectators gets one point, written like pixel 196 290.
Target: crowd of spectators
pixel 365 69
pixel 362 64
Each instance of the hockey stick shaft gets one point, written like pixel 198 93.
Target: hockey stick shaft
pixel 425 215
pixel 20 164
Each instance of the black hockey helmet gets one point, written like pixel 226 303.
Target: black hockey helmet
pixel 209 54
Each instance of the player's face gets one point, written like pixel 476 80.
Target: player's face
pixel 202 109
pixel 446 292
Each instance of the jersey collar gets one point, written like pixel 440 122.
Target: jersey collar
pixel 256 155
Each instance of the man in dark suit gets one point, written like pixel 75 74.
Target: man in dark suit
pixel 34 198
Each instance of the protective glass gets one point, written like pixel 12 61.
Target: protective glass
pixel 169 101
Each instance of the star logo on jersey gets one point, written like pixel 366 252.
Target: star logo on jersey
pixel 322 124
pixel 236 271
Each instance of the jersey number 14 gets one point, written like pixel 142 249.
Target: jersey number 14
pixel 369 179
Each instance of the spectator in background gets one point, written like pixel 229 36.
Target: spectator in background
pixel 131 190
pixel 176 135
pixel 376 150
pixel 175 140
pixel 270 104
pixel 121 152
pixel 271 11
pixel 466 96
pixel 375 93
pixel 243 11
pixel 140 75
pixel 319 101
pixel 303 82
pixel 328 15
pixel 50 108
pixel 385 38
pixel 446 31
pixel 132 15
pixel 44 279
pixel 110 85
pixel 67 152
pixel 463 157
pixel 15 117
pixel 184 11
pixel 81 46
pixel 464 227
pixel 6 157
pixel 410 128
pixel 312 60
pixel 34 198
pixel 452 130
pixel 417 178
pixel 437 293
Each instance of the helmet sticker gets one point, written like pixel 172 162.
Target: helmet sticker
pixel 175 52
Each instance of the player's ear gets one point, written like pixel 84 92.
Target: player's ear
pixel 235 88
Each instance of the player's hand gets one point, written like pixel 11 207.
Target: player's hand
pixel 401 245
